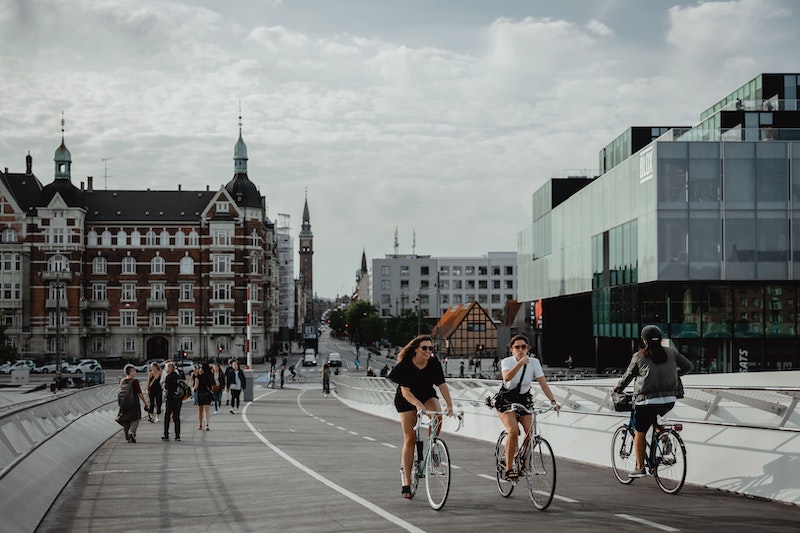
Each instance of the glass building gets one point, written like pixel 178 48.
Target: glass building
pixel 693 231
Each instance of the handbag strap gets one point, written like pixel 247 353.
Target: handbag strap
pixel 518 388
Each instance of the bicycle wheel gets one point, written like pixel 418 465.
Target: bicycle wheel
pixel 414 474
pixel 503 484
pixel 301 378
pixel 670 461
pixel 623 458
pixel 540 471
pixel 437 474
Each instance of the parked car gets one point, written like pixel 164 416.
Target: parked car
pixel 145 367
pixel 84 365
pixel 18 365
pixel 184 367
pixel 309 358
pixel 113 361
pixel 334 359
pixel 50 367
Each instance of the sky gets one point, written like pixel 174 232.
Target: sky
pixel 435 119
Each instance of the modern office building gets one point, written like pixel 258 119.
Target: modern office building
pixel 694 231
pixel 432 284
pixel 136 273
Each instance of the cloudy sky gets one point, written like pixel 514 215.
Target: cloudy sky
pixel 438 118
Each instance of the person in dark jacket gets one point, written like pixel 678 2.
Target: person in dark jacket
pixel 657 387
pixel 236 383
pixel 172 404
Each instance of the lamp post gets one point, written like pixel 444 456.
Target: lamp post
pixel 59 286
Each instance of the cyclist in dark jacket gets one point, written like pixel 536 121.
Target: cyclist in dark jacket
pixel 657 387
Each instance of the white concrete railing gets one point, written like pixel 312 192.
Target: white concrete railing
pixel 742 431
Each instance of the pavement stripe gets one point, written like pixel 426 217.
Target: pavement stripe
pixel 642 521
pixel 341 490
pixel 368 438
pixel 490 478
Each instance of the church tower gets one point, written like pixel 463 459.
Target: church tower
pixel 306 263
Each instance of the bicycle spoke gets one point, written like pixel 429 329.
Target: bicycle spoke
pixel 541 474
pixel 437 474
pixel 505 486
pixel 623 458
pixel 670 461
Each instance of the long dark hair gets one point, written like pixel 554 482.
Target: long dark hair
pixel 411 347
pixel 653 350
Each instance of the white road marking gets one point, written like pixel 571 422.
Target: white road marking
pixel 490 478
pixel 644 522
pixel 341 490
pixel 352 432
pixel 388 445
pixel 368 438
pixel 340 427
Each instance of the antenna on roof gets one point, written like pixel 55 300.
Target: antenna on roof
pixel 414 243
pixel 105 170
pixel 396 243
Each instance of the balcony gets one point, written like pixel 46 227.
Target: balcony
pixel 156 303
pixel 157 330
pixel 97 304
pixel 50 303
pixel 57 275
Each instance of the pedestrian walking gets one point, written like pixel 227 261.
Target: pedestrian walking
pixel 461 369
pixel 326 379
pixel 154 392
pixel 173 401
pixel 202 387
pixel 217 386
pixel 236 385
pixel 130 411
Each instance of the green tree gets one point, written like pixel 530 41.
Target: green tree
pixel 358 312
pixel 371 330
pixel 337 322
pixel 403 328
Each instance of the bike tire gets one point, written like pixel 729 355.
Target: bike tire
pixel 437 474
pixel 301 378
pixel 505 486
pixel 670 461
pixel 623 457
pixel 540 472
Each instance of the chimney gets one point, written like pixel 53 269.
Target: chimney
pixel 28 164
pixel 179 186
pixel 89 183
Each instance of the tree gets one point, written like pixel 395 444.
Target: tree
pixel 338 323
pixel 403 328
pixel 356 315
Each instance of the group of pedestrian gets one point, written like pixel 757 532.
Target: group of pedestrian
pixel 655 368
pixel 164 389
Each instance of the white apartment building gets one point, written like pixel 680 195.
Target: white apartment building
pixel 401 282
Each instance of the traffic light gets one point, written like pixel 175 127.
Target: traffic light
pixel 184 354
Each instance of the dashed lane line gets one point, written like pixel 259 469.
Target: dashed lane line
pixel 644 522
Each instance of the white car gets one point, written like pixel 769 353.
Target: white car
pixel 18 365
pixel 184 367
pixel 145 367
pixel 84 365
pixel 309 358
pixel 334 359
pixel 50 368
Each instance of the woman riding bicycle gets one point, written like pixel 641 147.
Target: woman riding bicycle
pixel 519 370
pixel 656 389
pixel 416 372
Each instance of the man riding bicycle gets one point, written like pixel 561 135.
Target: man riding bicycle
pixel 519 370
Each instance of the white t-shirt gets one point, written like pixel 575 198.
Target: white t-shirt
pixel 532 371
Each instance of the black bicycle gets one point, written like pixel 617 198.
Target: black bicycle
pixel 665 459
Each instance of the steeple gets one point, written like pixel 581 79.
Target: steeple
pixel 243 191
pixel 305 230
pixel 240 150
pixel 364 261
pixel 63 158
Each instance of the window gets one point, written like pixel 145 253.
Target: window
pixel 128 292
pixel 254 292
pixel 444 270
pixel 150 238
pixel 223 237
pixel 122 238
pixel 469 270
pixel 471 284
pixel 386 299
pixel 98 344
pixel 187 265
pixel 53 318
pixel 456 270
pixel 386 270
pixel 456 299
pixel 157 291
pixel 99 291
pixel 223 291
pixel 496 284
pixel 91 238
pixel 254 264
pixel 444 284
pixel 495 298
pixel 57 291
pixel 223 207
pixel 476 326
pixel 403 283
pixel 163 239
pixel 99 265
pixel 128 265
pixel 187 292
pixel 445 299
pixel 11 262
pixel 255 240
pixel 194 238
pixel 180 238
pixel 509 271
pixel 99 319
pixel 482 298
pixel 187 344
pixel 404 270
pixel 57 263
pixel 458 284
pixel 9 235
pixel 157 265
pixel 11 291
pixel 127 317
pixel 509 284
pixel 136 238
pixel 105 238
pixel 424 271
pixel 386 285
pixel 157 319
pixel 482 271
pixel 222 264
pixel 222 317
pixel 186 317
pixel 495 271
pixel 128 344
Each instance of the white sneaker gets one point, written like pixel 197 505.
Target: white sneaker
pixel 156 419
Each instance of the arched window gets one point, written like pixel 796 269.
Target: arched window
pixel 99 265
pixel 187 265
pixel 254 240
pixel 194 238
pixel 164 238
pixel 254 264
pixel 122 238
pixel 150 238
pixel 128 265
pixel 91 238
pixel 136 238
pixel 157 265
pixel 58 263
pixel 9 235
pixel 180 238
pixel 106 238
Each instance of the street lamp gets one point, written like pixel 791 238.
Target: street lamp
pixel 59 286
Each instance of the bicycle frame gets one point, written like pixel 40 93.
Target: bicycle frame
pixel 432 423
pixel 432 463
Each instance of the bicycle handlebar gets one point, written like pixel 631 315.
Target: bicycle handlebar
pixel 537 410
pixel 457 414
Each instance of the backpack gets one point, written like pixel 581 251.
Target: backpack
pixel 126 398
pixel 183 392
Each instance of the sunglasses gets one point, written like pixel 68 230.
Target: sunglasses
pixel 426 348
pixel 520 346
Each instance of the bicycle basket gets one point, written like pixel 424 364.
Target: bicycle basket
pixel 622 401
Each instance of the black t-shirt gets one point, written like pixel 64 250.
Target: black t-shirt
pixel 171 384
pixel 421 382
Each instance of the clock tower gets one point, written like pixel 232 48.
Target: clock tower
pixel 306 263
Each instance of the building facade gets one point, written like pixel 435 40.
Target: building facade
pixel 140 274
pixel 307 267
pixel 431 284
pixel 693 231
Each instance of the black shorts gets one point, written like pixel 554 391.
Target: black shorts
pixel 402 405
pixel 646 414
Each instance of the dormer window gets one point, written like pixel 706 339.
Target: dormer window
pixel 223 207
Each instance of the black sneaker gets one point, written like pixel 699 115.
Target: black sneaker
pixel 133 440
pixel 177 439
pixel 127 437
pixel 165 437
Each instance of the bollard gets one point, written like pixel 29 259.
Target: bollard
pixel 249 377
